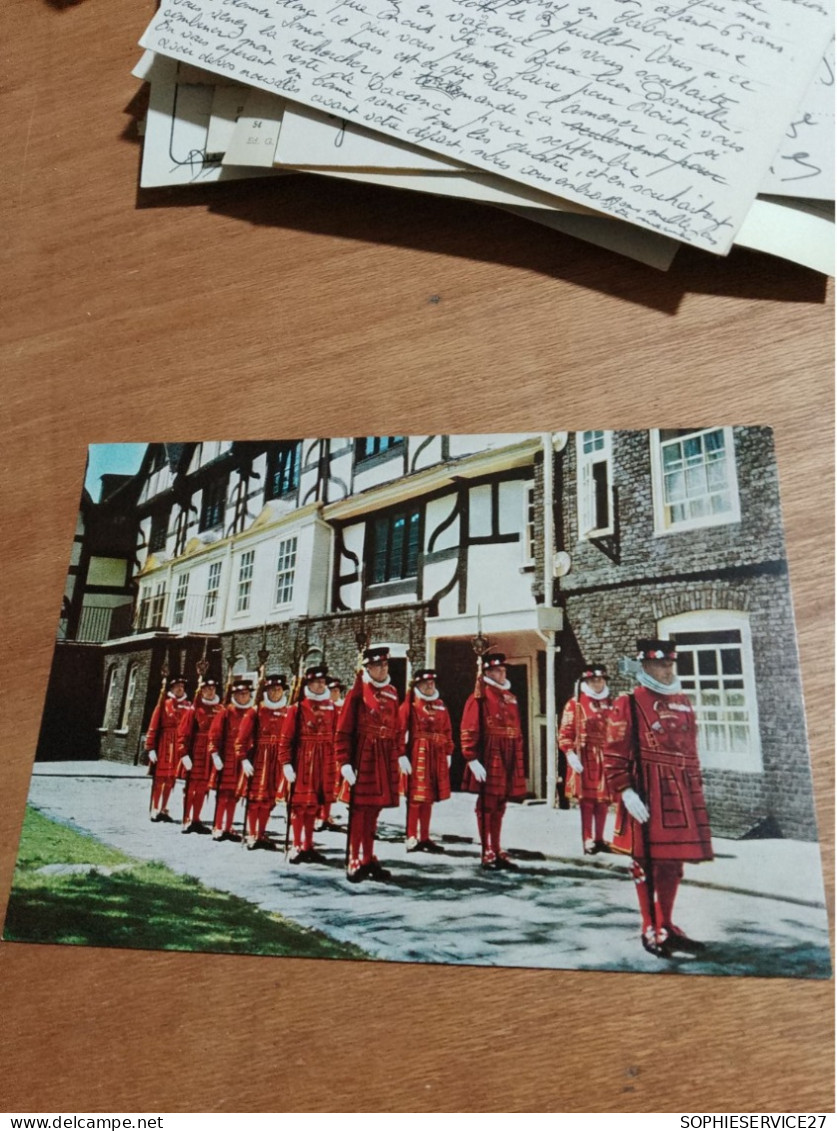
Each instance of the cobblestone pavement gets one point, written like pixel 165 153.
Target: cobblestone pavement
pixel 760 906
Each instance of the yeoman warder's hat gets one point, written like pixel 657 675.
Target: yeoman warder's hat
pixel 424 673
pixel 593 669
pixel 375 653
pixel 241 684
pixel 656 650
pixel 317 671
pixel 493 660
pixel 275 680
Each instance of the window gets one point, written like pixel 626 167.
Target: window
pixel 159 532
pixel 181 528
pixel 144 608
pixel 283 465
pixel 529 524
pixel 715 665
pixel 158 605
pixel 130 691
pixel 245 580
pixel 394 546
pixel 285 566
pixel 595 483
pixel 179 609
pixel 368 446
pixel 212 504
pixel 110 696
pixel 213 585
pixel 694 478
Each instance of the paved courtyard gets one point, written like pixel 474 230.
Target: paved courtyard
pixel 760 906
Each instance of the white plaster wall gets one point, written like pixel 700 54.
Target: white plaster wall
pixel 428 456
pixel 469 443
pixel 494 579
pixel 438 511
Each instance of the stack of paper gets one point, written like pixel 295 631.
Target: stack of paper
pixel 633 124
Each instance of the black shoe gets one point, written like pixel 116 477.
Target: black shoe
pixel 490 863
pixel 358 875
pixel 603 846
pixel 296 856
pixel 430 846
pixel 653 945
pixel 311 856
pixel 165 817
pixel 330 827
pixel 505 863
pixel 680 941
pixel 187 828
pixel 200 827
pixel 377 871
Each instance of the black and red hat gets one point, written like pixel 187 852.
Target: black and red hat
pixel 177 679
pixel 316 671
pixel 210 682
pixel 593 670
pixel 275 680
pixel 424 673
pixel 240 683
pixel 375 654
pixel 656 650
pixel 493 660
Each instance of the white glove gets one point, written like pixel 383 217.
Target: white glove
pixel 290 773
pixel 404 764
pixel 450 759
pixel 247 766
pixel 152 756
pixel 217 762
pixel 635 806
pixel 348 774
pixel 575 761
pixel 478 770
pixel 187 762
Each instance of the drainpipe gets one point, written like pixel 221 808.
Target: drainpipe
pixel 549 637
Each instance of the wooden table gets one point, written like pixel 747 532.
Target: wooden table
pixel 306 307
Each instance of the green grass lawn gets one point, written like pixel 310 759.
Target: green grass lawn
pixel 140 904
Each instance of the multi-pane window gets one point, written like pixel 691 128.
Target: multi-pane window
pixel 715 667
pixel 158 605
pixel 394 546
pixel 181 528
pixel 529 524
pixel 368 446
pixel 130 692
pixel 159 531
pixel 285 567
pixel 213 585
pixel 283 466
pixel 110 696
pixel 212 504
pixel 595 486
pixel 695 481
pixel 245 580
pixel 179 607
pixel 144 608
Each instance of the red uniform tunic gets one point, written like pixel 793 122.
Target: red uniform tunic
pixel 669 779
pixel 497 721
pixel 193 739
pixel 260 728
pixel 223 739
pixel 368 738
pixel 584 729
pixel 429 746
pixel 307 743
pixel 163 736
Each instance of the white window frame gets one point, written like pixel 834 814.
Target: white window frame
pixel 529 523
pixel 178 611
pixel 285 571
pixel 109 697
pixel 586 489
pixel 244 588
pixel 718 620
pixel 130 692
pixel 662 524
pixel 212 594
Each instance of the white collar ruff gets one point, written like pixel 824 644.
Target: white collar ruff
pixel 321 698
pixel 283 702
pixel 587 690
pixel 426 698
pixel 495 683
pixel 367 678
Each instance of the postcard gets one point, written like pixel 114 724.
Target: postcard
pixel 513 699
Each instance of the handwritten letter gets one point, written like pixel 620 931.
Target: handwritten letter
pixel 663 114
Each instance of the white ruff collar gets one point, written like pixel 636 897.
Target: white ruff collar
pixel 494 683
pixel 321 698
pixel 426 698
pixel 587 690
pixel 275 706
pixel 209 702
pixel 242 706
pixel 367 678
pixel 178 698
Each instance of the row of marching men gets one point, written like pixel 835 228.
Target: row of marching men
pixel 640 751
pixel 365 750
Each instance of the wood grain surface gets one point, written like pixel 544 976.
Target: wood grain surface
pixel 305 307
